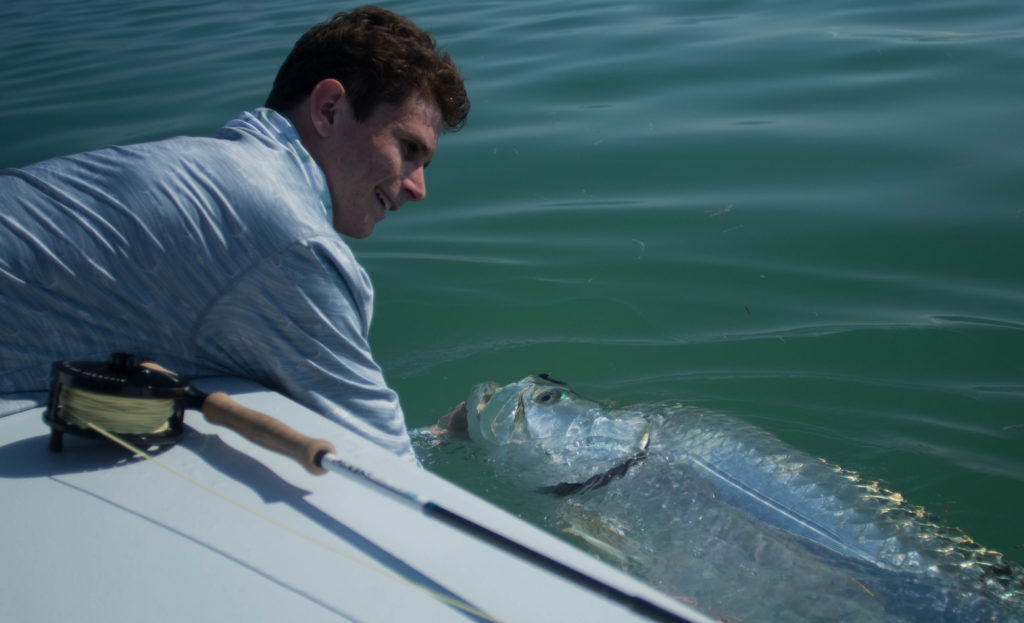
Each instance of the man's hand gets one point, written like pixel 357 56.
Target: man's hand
pixel 452 424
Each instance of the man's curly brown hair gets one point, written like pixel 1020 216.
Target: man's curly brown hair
pixel 379 57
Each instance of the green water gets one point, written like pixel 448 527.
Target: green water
pixel 806 215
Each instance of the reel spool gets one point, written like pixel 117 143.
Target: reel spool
pixel 140 404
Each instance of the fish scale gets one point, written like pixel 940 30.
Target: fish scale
pixel 707 505
pixel 885 529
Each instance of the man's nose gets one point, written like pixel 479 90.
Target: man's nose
pixel 416 185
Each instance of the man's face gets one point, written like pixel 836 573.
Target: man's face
pixel 378 164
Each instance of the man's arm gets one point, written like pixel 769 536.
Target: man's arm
pixel 298 323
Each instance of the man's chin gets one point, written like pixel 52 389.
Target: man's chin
pixel 355 230
pixel 358 236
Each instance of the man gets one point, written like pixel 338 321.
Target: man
pixel 220 256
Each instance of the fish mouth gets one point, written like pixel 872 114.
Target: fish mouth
pixel 496 414
pixel 481 394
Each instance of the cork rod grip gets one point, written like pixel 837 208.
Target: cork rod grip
pixel 261 429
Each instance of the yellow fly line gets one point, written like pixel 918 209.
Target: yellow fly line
pixel 370 564
pixel 118 414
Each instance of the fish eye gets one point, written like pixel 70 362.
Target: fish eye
pixel 549 397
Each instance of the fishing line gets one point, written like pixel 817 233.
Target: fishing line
pixel 366 562
pixel 138 404
pixel 126 389
pixel 118 414
pixel 125 395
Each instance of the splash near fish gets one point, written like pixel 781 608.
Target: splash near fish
pixel 726 516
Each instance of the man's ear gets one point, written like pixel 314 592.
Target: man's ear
pixel 327 104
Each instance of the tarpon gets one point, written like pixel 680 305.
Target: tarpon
pixel 731 519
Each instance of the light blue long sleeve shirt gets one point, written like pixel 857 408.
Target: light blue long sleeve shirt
pixel 211 256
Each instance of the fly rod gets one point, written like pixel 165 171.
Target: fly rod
pixel 144 403
pixel 636 603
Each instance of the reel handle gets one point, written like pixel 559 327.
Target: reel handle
pixel 261 429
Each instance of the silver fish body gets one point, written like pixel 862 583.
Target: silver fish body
pixel 729 517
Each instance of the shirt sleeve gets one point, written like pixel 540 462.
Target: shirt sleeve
pixel 298 322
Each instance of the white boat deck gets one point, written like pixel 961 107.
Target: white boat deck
pixel 223 530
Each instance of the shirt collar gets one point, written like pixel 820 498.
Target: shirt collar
pixel 271 124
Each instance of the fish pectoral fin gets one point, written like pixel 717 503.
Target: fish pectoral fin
pixel 645 440
pixel 602 534
pixel 605 548
pixel 597 480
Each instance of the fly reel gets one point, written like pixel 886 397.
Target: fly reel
pixel 143 405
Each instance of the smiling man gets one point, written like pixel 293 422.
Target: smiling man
pixel 371 123
pixel 221 255
pixel 371 166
